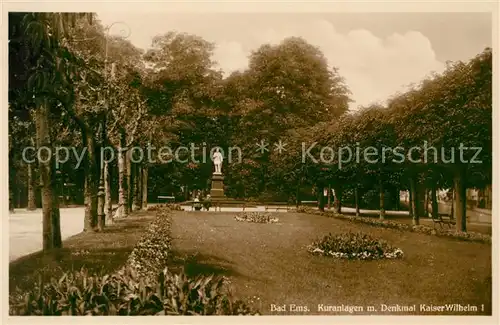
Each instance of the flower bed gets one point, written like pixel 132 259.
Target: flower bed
pixel 467 236
pixel 171 206
pixel 257 217
pixel 451 233
pixel 354 246
pixel 302 209
pixel 150 254
pixel 143 286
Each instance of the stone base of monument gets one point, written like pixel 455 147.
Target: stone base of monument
pixel 217 189
pixel 218 197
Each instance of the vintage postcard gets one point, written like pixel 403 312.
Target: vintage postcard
pixel 332 161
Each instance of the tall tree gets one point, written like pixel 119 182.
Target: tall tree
pixel 287 86
pixel 36 53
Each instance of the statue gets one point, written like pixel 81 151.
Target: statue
pixel 217 159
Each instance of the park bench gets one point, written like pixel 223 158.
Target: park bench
pixel 219 205
pixel 443 218
pixel 216 205
pixel 168 199
pixel 278 206
pixel 309 202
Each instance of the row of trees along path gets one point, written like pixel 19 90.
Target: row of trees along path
pixel 72 84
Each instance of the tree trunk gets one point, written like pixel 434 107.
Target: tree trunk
pixel 19 191
pixel 321 198
pixel 297 193
pixel 411 212
pixel 329 196
pixel 435 211
pixel 101 186
pixel 452 207
pixel 91 182
pixel 137 188
pixel 460 200
pixel 31 189
pixel 397 196
pixel 356 200
pixel 122 180
pixel 130 181
pixel 11 199
pixel 144 179
pixel 414 201
pixel 101 212
pixel 101 201
pixel 11 203
pixel 426 204
pixel 338 200
pixel 382 199
pixel 108 208
pixel 51 233
pixel 419 201
pixel 11 175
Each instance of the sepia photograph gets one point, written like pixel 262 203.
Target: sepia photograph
pixel 265 163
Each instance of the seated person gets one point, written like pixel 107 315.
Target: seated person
pixel 207 202
pixel 197 204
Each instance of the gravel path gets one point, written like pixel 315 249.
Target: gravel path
pixel 25 229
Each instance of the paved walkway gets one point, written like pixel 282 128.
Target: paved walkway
pixel 25 229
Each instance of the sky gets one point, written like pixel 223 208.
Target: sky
pixel 378 54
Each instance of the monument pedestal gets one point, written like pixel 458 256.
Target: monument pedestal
pixel 217 190
pixel 218 197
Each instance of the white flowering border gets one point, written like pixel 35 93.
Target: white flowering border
pixel 256 217
pixel 171 206
pixel 395 254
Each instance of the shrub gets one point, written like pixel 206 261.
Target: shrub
pixel 142 287
pixel 127 293
pixel 354 246
pixel 204 295
pixel 257 217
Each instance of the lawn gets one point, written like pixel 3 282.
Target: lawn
pixel 100 252
pixel 270 261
